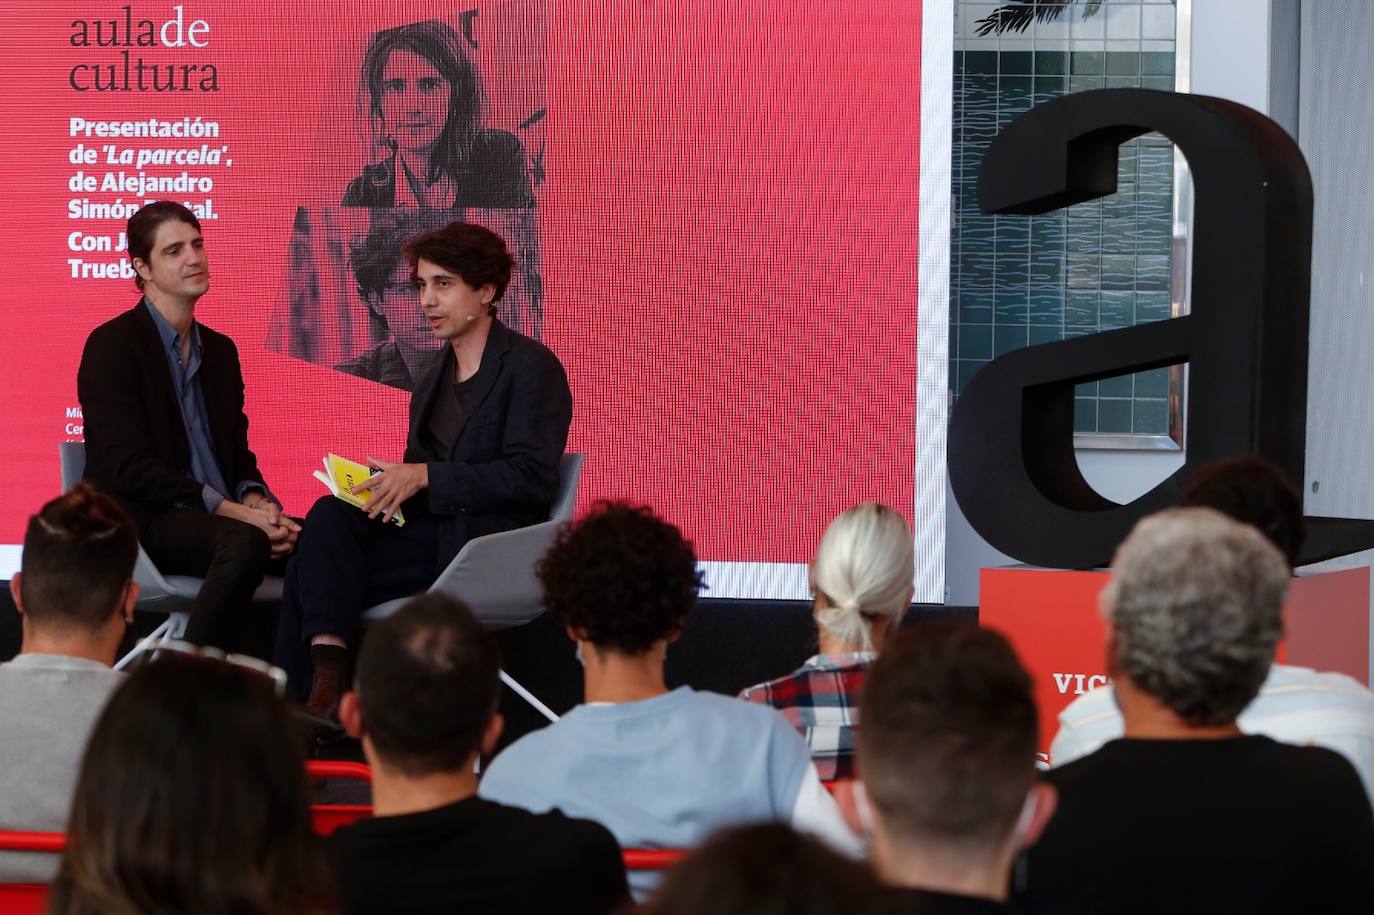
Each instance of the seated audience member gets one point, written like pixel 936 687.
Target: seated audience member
pixel 1295 704
pixel 1185 813
pixel 767 869
pixel 192 798
pixel 862 579
pixel 659 768
pixel 76 596
pixel 425 706
pixel 947 767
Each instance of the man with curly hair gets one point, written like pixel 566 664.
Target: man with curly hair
pixel 488 424
pixel 660 768
pixel 1185 813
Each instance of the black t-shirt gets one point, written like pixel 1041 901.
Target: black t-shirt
pixel 1242 824
pixel 928 902
pixel 477 856
pixel 450 410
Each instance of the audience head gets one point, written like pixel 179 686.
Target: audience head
pixel 1255 491
pixel 192 798
pixel 862 574
pixel 766 869
pixel 427 686
pixel 946 752
pixel 475 253
pixel 621 578
pixel 1195 606
pixel 76 574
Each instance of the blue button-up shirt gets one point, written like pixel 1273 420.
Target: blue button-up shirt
pixel 205 467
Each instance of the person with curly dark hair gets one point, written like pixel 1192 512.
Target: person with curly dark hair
pixel 660 768
pixel 488 424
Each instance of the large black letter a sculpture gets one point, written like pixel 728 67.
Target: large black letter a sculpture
pixel 1011 457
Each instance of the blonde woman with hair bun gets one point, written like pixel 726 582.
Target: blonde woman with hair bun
pixel 862 578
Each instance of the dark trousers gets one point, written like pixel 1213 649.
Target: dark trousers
pixel 232 557
pixel 346 563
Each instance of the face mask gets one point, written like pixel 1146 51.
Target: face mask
pixel 577 652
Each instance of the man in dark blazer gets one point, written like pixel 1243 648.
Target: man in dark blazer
pixel 166 435
pixel 488 425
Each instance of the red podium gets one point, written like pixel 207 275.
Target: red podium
pixel 1051 617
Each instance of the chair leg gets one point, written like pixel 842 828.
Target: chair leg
pixel 528 696
pixel 151 640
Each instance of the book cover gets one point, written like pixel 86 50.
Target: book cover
pixel 341 475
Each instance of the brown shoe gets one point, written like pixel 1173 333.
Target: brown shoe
pixel 320 714
pixel 330 663
pixel 325 690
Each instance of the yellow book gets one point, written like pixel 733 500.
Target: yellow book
pixel 341 475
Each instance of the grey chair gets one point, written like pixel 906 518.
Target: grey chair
pixel 494 574
pixel 158 593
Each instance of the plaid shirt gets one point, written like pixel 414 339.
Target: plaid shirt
pixel 821 700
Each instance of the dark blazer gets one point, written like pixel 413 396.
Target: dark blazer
pixel 136 445
pixel 497 177
pixel 502 472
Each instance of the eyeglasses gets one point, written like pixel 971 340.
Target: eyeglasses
pixel 210 653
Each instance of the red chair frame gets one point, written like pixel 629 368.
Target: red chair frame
pixel 28 898
pixel 33 841
pixel 652 859
pixel 31 898
pixel 326 818
pixel 331 768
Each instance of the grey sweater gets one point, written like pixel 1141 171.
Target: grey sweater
pixel 48 705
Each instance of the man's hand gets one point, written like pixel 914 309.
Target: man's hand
pixel 393 485
pixel 281 531
pixel 283 548
pixel 255 499
pixel 285 531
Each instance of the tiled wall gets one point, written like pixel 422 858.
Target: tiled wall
pixel 1018 280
